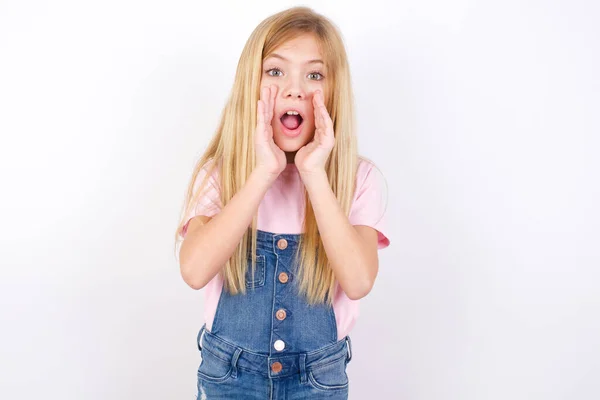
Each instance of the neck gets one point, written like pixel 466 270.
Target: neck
pixel 290 157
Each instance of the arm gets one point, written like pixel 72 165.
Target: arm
pixel 210 242
pixel 352 250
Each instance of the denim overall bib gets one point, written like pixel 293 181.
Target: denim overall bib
pixel 270 343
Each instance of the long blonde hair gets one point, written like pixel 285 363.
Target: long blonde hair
pixel 233 146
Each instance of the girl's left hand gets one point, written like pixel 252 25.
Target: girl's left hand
pixel 312 157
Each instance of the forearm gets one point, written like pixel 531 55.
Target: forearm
pixel 206 248
pixel 347 253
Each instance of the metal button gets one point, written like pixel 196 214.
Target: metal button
pixel 279 345
pixel 281 314
pixel 276 367
pixel 282 244
pixel 283 277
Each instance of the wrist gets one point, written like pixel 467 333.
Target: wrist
pixel 314 178
pixel 264 176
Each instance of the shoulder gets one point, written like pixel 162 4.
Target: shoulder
pixel 371 185
pixel 367 173
pixel 210 166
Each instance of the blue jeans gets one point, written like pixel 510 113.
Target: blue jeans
pixel 228 371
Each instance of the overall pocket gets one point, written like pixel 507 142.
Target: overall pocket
pixel 213 368
pixel 330 376
pixel 258 279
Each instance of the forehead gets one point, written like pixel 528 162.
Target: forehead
pixel 300 48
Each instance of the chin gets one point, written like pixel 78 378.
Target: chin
pixel 288 144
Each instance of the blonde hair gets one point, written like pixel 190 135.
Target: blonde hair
pixel 232 146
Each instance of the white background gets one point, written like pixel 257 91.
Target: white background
pixel 483 116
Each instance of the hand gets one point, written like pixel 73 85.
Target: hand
pixel 269 156
pixel 312 157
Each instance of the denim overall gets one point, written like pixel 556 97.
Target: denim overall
pixel 270 343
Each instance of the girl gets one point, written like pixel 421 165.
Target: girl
pixel 282 220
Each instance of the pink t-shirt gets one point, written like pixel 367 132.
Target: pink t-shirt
pixel 282 211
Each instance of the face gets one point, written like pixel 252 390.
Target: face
pixel 297 68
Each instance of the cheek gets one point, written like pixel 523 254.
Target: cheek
pixel 270 81
pixel 267 80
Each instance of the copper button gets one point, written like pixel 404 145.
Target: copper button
pixel 283 277
pixel 282 244
pixel 281 314
pixel 276 367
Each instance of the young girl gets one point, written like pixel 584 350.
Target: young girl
pixel 283 221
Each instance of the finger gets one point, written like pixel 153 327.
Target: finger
pixel 320 98
pixel 272 103
pixel 260 115
pixel 327 122
pixel 317 121
pixel 266 101
pixel 267 106
pixel 264 96
pixel 263 93
pixel 320 107
pixel 316 100
pixel 317 111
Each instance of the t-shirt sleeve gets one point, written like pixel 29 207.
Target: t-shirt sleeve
pixel 370 202
pixel 209 201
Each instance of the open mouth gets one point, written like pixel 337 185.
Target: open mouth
pixel 291 121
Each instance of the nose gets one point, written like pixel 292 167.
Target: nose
pixel 294 90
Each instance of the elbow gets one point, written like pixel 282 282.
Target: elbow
pixel 360 291
pixel 191 278
pixel 361 287
pixel 196 285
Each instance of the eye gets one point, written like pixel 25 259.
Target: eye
pixel 315 76
pixel 274 72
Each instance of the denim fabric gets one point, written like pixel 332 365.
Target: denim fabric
pixel 247 338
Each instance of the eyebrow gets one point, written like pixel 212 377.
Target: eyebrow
pixel 316 61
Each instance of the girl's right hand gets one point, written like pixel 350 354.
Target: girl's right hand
pixel 269 156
